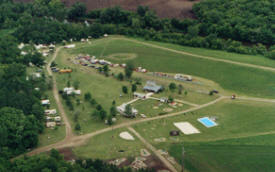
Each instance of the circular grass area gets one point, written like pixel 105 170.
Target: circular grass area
pixel 122 56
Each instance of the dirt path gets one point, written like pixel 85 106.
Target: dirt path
pixel 200 56
pixel 73 141
pixel 154 150
pixel 61 110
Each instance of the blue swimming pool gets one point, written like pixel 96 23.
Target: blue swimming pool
pixel 207 122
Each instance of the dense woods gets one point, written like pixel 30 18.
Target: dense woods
pixel 242 26
pixel 56 163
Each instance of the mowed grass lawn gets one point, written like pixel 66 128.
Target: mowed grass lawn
pixel 244 58
pixel 103 89
pixel 152 108
pixel 233 145
pixel 234 118
pixel 240 79
pixel 251 154
pixel 110 146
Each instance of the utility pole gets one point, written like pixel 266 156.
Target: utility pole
pixel 182 158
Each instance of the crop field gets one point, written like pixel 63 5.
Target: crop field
pixel 245 130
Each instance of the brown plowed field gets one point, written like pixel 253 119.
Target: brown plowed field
pixel 163 8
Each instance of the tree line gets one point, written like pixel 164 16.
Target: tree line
pixel 235 29
pixel 56 163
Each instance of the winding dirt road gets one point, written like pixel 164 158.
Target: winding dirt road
pixel 200 56
pixel 72 140
pixel 154 150
pixel 61 110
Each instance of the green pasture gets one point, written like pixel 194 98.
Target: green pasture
pixel 235 119
pixel 242 154
pixel 239 79
pixel 113 147
pixel 153 108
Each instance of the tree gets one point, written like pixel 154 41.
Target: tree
pixel 76 84
pixel 113 111
pixel 134 87
pixel 120 76
pixel 93 102
pixel 77 127
pixel 170 99
pixel 124 89
pixel 114 103
pixel 99 107
pixel 78 10
pixel 129 69
pixel 109 120
pixel 185 93
pixel 128 111
pixel 9 51
pixel 180 89
pixel 18 132
pixel 68 84
pixel 87 96
pixel 102 114
pixel 172 86
pixel 106 69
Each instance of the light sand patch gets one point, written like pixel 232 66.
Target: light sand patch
pixel 155 107
pixel 167 109
pixel 122 56
pixel 126 136
pixel 162 139
pixel 186 128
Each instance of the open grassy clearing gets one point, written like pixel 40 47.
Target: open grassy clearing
pixel 153 108
pixel 229 153
pixel 192 96
pixel 110 149
pixel 250 59
pixel 104 90
pixel 245 154
pixel 229 76
pixel 234 118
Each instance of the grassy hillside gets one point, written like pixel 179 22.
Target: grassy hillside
pixel 246 154
pixel 240 79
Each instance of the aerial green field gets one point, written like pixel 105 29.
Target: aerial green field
pixel 235 119
pixel 113 147
pixel 231 77
pixel 245 154
pixel 250 59
pixel 245 128
pixel 153 108
pixel 228 146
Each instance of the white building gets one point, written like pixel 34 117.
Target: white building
pixel 70 46
pixel 50 112
pixel 183 77
pixel 121 109
pixel 57 119
pixel 45 102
